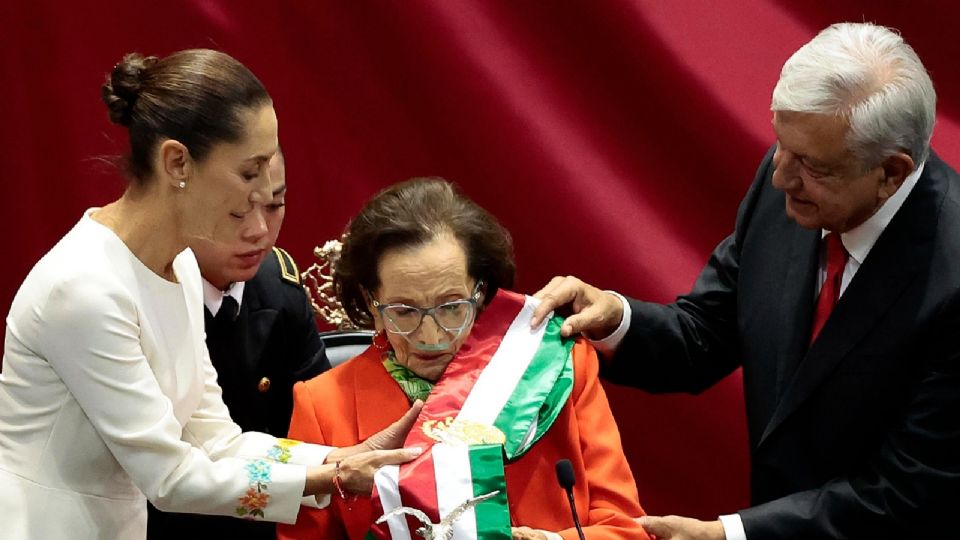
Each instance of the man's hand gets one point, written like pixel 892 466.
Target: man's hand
pixel 596 313
pixel 526 533
pixel 681 528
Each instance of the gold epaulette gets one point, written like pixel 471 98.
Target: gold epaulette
pixel 288 268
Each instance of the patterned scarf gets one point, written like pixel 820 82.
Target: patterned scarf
pixel 412 384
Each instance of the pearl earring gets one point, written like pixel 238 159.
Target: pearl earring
pixel 182 184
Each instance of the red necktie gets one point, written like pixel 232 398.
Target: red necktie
pixel 830 292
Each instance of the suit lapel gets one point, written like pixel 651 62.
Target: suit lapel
pixel 892 263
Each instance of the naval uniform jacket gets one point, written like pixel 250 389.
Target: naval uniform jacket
pixel 273 343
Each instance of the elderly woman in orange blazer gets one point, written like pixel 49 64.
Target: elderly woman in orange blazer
pixel 427 268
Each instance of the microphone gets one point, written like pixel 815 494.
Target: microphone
pixel 566 478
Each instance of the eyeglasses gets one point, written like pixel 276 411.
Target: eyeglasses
pixel 451 316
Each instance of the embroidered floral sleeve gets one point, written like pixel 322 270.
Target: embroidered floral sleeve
pixel 281 451
pixel 256 498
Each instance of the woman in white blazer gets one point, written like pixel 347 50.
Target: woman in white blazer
pixel 107 392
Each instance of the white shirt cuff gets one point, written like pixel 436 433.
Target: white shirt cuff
pixel 733 527
pixel 608 345
pixel 550 534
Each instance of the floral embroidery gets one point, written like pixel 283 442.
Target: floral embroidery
pixel 259 472
pixel 256 498
pixel 281 451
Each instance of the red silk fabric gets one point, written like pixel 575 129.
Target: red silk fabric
pixel 613 138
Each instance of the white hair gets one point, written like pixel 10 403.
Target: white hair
pixel 871 76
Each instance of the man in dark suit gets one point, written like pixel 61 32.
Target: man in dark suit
pixel 262 338
pixel 838 294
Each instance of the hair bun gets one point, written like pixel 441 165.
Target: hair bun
pixel 122 88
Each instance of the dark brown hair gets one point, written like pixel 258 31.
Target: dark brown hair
pixel 413 213
pixel 192 96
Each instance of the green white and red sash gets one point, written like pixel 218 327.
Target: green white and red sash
pixel 506 375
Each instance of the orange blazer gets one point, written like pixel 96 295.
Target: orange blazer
pixel 358 398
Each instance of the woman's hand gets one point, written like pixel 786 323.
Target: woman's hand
pixel 359 462
pixel 356 471
pixel 386 439
pixel 526 533
pixel 394 434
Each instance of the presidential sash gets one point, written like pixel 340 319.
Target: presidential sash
pixel 502 392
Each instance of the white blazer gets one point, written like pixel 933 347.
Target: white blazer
pixel 107 393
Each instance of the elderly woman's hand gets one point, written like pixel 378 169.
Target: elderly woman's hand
pixel 526 533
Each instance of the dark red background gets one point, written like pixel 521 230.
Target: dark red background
pixel 613 138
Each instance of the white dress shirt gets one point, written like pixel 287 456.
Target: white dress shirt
pixel 213 297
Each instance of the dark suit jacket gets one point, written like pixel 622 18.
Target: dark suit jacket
pixel 273 343
pixel 858 435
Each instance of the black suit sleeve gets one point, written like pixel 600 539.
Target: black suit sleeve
pixel 691 344
pixel 909 488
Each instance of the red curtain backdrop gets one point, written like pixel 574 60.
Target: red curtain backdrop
pixel 613 138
